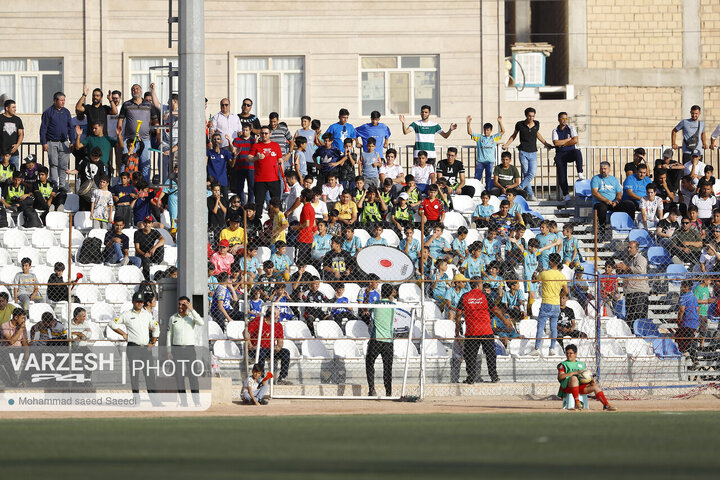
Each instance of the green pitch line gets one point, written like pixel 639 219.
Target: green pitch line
pixel 601 445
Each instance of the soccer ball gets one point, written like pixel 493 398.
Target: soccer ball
pixel 585 376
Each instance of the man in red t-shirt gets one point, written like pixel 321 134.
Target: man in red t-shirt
pixel 251 337
pixel 478 332
pixel 306 227
pixel 431 209
pixel 266 156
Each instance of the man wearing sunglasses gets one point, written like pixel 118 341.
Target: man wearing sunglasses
pixel 248 118
pixel 225 123
pixel 266 156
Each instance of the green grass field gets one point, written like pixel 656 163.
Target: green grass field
pixel 608 446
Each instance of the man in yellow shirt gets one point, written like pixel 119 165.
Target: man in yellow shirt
pixel 234 234
pixel 554 285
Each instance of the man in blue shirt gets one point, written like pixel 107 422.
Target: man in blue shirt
pixel 341 130
pixel 688 318
pixel 56 134
pixel 379 131
pixel 607 195
pixel 217 161
pixel 634 189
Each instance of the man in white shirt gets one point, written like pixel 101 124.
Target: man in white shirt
pixel 138 323
pixel 225 123
pixel 181 342
pixel 695 167
pixel 392 170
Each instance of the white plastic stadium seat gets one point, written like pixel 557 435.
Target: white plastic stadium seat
pixel 101 312
pixel 409 292
pixel 165 219
pixel 117 294
pixel 14 239
pixel 227 350
pixel 56 254
pixel 391 237
pixel 362 234
pixel 77 238
pixel 43 239
pixel 295 329
pixel 130 274
pixel 474 182
pixel 235 329
pixel 327 290
pixel 35 311
pixel 5 258
pixel 312 271
pixel 328 329
pixel 314 350
pixel 432 311
pixel 444 329
pixel 527 328
pixel 345 348
pixel 495 203
pixel 170 256
pixel 357 329
pixel 577 309
pixel 637 347
pixel 463 204
pixel 42 272
pixel 263 254
pixel 473 236
pixel 292 348
pixel 8 272
pixel 617 328
pixel 87 293
pixel 99 233
pixel 400 348
pixel 83 221
pixel 351 291
pixel 520 347
pixel 434 348
pixel 169 240
pixel 215 332
pixel 101 274
pixel 31 253
pixel 57 220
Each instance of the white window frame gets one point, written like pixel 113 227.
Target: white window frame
pixel 400 69
pixel 235 98
pixel 32 73
pixel 154 74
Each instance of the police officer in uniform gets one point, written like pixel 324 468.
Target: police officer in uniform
pixel 18 199
pixel 47 196
pixel 181 343
pixel 139 323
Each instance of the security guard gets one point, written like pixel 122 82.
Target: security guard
pixel 138 323
pixel 47 196
pixel 181 342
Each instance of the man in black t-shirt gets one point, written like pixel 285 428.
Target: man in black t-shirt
pixel 247 118
pixel 96 112
pixel 12 133
pixel 337 264
pixel 454 172
pixel 148 245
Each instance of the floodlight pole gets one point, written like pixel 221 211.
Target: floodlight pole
pixel 192 211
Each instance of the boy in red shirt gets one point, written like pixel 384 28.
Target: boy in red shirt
pixel 609 288
pixel 431 209
pixel 306 227
pixel 251 337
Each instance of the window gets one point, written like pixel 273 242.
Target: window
pixel 275 84
pixel 144 71
pixel 399 84
pixel 31 82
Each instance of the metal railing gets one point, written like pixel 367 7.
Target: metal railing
pixel 545 180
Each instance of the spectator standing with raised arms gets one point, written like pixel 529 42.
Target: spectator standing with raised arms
pixel 133 111
pixel 425 131
pixel 96 112
pixel 529 131
pixel 486 147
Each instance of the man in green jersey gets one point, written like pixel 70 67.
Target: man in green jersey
pixel 381 341
pixel 568 372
